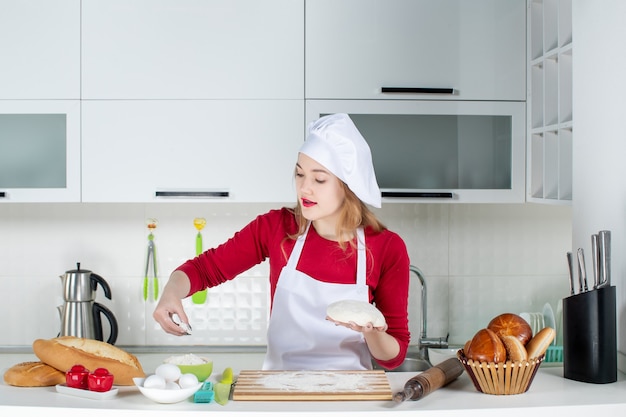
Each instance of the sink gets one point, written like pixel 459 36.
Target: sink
pixel 417 358
pixel 435 355
pixel 408 365
pixel 438 355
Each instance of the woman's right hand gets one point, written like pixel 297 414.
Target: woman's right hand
pixel 170 304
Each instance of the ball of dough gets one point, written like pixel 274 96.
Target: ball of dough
pixel 359 312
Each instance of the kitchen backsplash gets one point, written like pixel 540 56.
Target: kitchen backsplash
pixel 479 260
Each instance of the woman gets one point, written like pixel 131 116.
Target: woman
pixel 330 247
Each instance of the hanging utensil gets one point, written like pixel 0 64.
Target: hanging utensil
pixel 199 223
pixel 151 259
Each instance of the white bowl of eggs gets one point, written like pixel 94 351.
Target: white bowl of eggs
pixel 168 384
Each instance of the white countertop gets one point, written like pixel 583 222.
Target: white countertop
pixel 550 394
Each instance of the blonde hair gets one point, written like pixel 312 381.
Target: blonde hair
pixel 354 214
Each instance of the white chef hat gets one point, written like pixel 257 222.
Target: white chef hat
pixel 335 142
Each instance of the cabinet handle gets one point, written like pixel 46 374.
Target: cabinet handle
pixel 417 90
pixel 2 194
pixel 193 194
pixel 416 194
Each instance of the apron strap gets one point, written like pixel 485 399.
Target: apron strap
pixel 292 262
pixel 361 268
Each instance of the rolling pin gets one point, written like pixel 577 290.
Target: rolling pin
pixel 434 378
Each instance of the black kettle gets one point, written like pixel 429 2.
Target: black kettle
pixel 80 315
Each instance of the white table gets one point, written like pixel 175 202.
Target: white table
pixel 550 394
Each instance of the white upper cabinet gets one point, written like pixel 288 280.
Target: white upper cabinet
pixel 190 150
pixel 39 151
pixel 355 48
pixel 40 49
pixel 194 49
pixel 440 151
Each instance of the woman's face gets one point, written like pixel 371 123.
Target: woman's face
pixel 320 192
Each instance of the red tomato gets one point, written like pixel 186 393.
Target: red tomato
pixel 77 376
pixel 100 380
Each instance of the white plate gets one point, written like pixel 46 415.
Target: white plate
pixel 438 355
pixel 84 393
pixel 548 316
pixel 559 323
pixel 538 322
pixel 534 320
pixel 526 317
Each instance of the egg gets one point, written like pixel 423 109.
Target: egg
pixel 188 381
pixel 168 372
pixel 171 385
pixel 154 381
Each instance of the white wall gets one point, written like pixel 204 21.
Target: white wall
pixel 599 97
pixel 479 261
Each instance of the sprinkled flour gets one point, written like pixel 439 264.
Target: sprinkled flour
pixel 313 381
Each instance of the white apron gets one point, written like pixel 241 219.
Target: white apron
pixel 299 337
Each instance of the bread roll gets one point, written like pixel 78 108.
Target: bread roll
pixel 540 342
pixel 515 351
pixel 466 347
pixel 486 346
pixel 66 351
pixel 33 374
pixel 509 324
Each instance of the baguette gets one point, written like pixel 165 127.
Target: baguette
pixel 66 351
pixel 540 342
pixel 33 374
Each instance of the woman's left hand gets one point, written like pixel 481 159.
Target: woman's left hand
pixel 381 345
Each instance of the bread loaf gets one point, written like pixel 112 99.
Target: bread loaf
pixel 66 351
pixel 509 324
pixel 486 346
pixel 540 342
pixel 33 374
pixel 515 351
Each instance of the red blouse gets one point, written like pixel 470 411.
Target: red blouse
pixel 266 237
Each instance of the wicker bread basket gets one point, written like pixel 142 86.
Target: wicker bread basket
pixel 501 378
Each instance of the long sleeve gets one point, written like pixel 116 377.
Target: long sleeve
pixel 264 237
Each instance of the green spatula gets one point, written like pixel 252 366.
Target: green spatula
pixel 199 223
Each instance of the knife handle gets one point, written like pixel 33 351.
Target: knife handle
pixel 570 266
pixel 582 270
pixel 595 257
pixel 604 243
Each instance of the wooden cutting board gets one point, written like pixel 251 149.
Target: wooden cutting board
pixel 311 386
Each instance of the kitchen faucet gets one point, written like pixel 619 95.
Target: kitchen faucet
pixel 425 342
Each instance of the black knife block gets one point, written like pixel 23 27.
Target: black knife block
pixel 590 336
